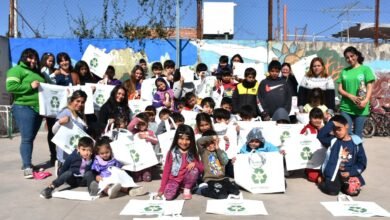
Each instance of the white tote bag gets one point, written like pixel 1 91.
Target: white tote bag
pixel 284 132
pixel 189 118
pixel 355 208
pixel 134 153
pixel 233 206
pixel 148 89
pixel 153 207
pixel 117 176
pixel 97 60
pixel 304 151
pixel 137 106
pixel 52 99
pixel 263 172
pixel 67 137
pixel 101 95
pixel 165 139
pixel 205 88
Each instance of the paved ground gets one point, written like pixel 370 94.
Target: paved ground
pixel 20 198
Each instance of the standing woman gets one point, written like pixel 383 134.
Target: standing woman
pixel 22 82
pixel 355 87
pixel 316 78
pixel 290 79
pixel 63 78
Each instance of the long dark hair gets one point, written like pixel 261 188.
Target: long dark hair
pixel 184 129
pixel 113 105
pixel 64 56
pixel 44 59
pixel 353 50
pixel 30 53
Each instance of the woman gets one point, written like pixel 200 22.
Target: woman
pixel 355 87
pixel 133 85
pixel 81 74
pixel 116 109
pixel 22 82
pixel 71 115
pixel 316 78
pixel 63 78
pixel 290 79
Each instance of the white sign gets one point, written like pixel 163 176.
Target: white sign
pixel 52 99
pixel 153 207
pixel 187 72
pixel 236 207
pixel 137 106
pixel 97 60
pixel 355 208
pixel 148 89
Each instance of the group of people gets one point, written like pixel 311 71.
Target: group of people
pixel 195 153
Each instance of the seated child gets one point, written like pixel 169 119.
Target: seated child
pixel 102 166
pixel 164 96
pixel 190 102
pixel 207 105
pixel 256 142
pixel 151 111
pixel 177 119
pixel 182 165
pixel 345 160
pixel 76 170
pixel 214 161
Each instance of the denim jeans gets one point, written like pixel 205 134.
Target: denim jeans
pixel 28 122
pixel 357 121
pixel 73 181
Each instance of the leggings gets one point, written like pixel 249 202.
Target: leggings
pixel 172 188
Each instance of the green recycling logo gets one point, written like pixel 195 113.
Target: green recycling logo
pixel 259 176
pixel 306 153
pixel 153 208
pixel 100 99
pixel 357 209
pixel 134 155
pixel 74 140
pixel 93 62
pixel 284 136
pixel 54 102
pixel 236 208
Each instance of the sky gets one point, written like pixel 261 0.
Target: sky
pixel 321 18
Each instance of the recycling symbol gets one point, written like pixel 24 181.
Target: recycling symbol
pixel 93 62
pixel 54 102
pixel 236 208
pixel 153 208
pixel 259 176
pixel 134 155
pixel 100 99
pixel 284 136
pixel 357 209
pixel 74 140
pixel 306 154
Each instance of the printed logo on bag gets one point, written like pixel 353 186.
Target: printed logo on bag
pixel 259 176
pixel 236 208
pixel 74 140
pixel 284 136
pixel 93 62
pixel 257 160
pixel 153 208
pixel 357 209
pixel 54 102
pixel 306 153
pixel 134 155
pixel 100 99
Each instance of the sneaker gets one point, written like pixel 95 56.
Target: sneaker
pixel 47 192
pixel 187 194
pixel 28 173
pixel 114 190
pixel 200 188
pixel 93 188
pixel 137 191
pixel 344 198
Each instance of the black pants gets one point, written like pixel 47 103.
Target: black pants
pixel 52 147
pixel 334 188
pixel 74 181
pixel 229 169
pixel 220 189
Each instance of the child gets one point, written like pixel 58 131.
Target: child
pixel 246 92
pixel 182 165
pixel 201 72
pixel 164 96
pixel 226 103
pixel 281 116
pixel 47 68
pixel 169 69
pixel 151 111
pixel 316 117
pixel 190 102
pixel 223 62
pixel 274 92
pixel 214 161
pixel 103 165
pixel 256 142
pixel 345 160
pixel 246 113
pixel 108 78
pixel 316 99
pixel 203 123
pixel 227 82
pixel 139 126
pixel 157 69
pixel 178 119
pixel 207 105
pixel 76 170
pixel 180 88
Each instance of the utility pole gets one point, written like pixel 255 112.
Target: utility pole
pixel 178 47
pixel 11 19
pixel 199 31
pixel 285 23
pixel 376 35
pixel 270 7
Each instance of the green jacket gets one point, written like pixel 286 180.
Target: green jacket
pixel 19 79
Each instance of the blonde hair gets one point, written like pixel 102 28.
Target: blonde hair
pixel 310 73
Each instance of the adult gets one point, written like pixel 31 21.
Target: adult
pixel 289 77
pixel 133 85
pixel 237 58
pixel 316 77
pixel 23 82
pixel 81 74
pixel 355 87
pixel 116 109
pixel 63 78
pixel 72 114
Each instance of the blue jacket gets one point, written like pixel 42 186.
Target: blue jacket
pixel 357 160
pixel 264 147
pixel 73 163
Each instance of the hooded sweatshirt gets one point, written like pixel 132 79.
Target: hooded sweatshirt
pixel 255 134
pixel 160 96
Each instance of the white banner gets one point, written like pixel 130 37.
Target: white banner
pixel 304 151
pixel 67 137
pixel 101 95
pixel 263 172
pixel 135 154
pixel 355 208
pixel 52 99
pixel 153 207
pixel 148 89
pixel 73 195
pixel 97 60
pixel 236 207
pixel 138 106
